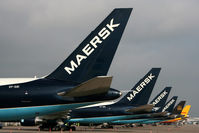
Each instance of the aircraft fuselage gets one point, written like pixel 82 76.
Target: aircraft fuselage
pixel 40 97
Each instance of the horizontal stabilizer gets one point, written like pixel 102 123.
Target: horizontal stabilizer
pixel 141 109
pixel 159 114
pixel 94 86
pixel 173 116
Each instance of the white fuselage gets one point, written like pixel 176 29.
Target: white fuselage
pixel 8 81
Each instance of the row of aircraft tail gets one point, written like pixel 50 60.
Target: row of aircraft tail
pixel 79 90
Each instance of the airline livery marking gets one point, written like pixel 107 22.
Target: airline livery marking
pixel 90 47
pixel 161 96
pixel 169 104
pixel 146 81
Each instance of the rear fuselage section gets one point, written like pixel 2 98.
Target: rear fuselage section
pixel 35 93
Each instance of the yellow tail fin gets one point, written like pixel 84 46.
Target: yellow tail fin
pixel 185 110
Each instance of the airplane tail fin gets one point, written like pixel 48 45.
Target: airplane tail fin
pixel 140 93
pixel 185 110
pixel 169 105
pixel 161 98
pixel 178 108
pixel 94 55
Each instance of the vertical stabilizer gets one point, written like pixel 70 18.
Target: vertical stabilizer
pixel 169 105
pixel 161 98
pixel 94 55
pixel 185 110
pixel 178 108
pixel 140 93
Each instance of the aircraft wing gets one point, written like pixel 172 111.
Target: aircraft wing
pixel 141 109
pixel 97 85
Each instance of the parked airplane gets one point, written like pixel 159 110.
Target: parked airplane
pixel 183 115
pixel 78 81
pixel 134 102
pixel 158 102
pixel 123 109
pixel 155 113
pixel 175 113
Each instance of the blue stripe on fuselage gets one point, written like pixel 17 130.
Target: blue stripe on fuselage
pixel 128 121
pixel 98 120
pixel 16 114
pixel 151 121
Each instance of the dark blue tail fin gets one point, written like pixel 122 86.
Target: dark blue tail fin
pixel 170 104
pixel 178 108
pixel 94 55
pixel 140 93
pixel 161 98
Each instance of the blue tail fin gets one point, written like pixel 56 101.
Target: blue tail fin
pixel 94 55
pixel 161 98
pixel 170 104
pixel 140 93
pixel 178 108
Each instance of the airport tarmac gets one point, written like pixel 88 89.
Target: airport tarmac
pixel 119 129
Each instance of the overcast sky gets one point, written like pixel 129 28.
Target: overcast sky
pixel 36 36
